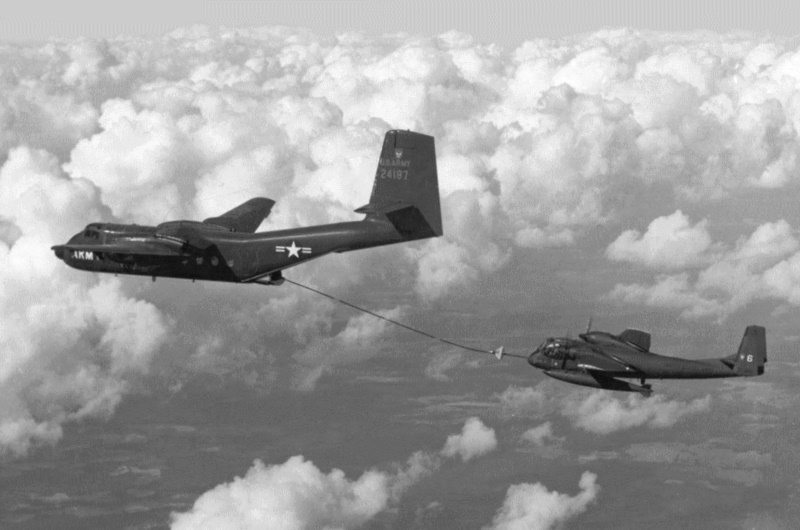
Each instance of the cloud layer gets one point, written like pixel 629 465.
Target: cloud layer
pixel 70 343
pixel 537 147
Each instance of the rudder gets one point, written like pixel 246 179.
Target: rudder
pixel 752 354
pixel 406 186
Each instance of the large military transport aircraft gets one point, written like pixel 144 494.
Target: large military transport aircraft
pixel 600 359
pixel 404 206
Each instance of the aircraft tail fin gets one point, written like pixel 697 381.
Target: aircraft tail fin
pixel 406 186
pixel 752 354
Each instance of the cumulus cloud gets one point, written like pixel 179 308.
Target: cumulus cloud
pixel 756 267
pixel 537 146
pixel 70 343
pixel 531 399
pixel 600 412
pixel 540 435
pixel 534 507
pixel 670 242
pixel 536 402
pixel 603 413
pixel 298 495
pixel 475 439
pixel 133 161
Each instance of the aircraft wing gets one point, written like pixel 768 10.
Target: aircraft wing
pixel 609 362
pixel 246 217
pixel 148 249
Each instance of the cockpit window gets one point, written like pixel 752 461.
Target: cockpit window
pixel 554 349
pixel 91 233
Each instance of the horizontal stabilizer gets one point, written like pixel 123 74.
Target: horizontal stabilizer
pixel 246 217
pixel 383 209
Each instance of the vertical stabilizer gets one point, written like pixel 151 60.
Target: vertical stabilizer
pixel 406 187
pixel 752 354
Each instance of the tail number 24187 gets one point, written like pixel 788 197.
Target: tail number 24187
pixel 393 174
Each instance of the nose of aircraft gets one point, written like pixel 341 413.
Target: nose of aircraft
pixel 61 250
pixel 533 359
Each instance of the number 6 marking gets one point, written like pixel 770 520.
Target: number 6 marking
pixel 749 358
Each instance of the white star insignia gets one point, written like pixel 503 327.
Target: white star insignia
pixel 293 250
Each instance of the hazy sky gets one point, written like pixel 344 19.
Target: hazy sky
pixel 617 164
pixel 504 22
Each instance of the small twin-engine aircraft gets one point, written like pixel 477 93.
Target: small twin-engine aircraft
pixel 404 206
pixel 600 359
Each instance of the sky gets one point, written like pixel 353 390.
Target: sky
pixel 632 166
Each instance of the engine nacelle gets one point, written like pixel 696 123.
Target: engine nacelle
pixel 598 381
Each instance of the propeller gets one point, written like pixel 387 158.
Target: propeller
pixel 589 325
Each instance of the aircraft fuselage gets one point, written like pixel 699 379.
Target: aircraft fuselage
pixel 403 206
pixel 634 365
pixel 222 255
pixel 603 360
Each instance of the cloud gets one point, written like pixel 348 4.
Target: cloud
pixel 602 413
pixel 359 340
pixel 292 495
pixel 524 398
pixel 670 242
pixel 536 402
pixel 540 435
pixel 534 507
pixel 542 442
pixel 476 439
pixel 297 494
pixel 743 467
pixel 537 147
pixel 756 267
pixel 71 345
pixel 133 162
pixel 438 366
